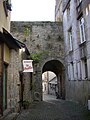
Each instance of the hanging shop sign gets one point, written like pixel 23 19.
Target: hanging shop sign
pixel 27 66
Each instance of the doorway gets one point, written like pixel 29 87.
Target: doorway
pixel 49 85
pixel 5 87
pixel 57 84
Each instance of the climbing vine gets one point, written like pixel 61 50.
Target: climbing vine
pixel 36 57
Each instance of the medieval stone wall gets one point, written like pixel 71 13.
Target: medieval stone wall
pixel 44 39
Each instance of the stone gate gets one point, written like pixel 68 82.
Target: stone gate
pixel 44 41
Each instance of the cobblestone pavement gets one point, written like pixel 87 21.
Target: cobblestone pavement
pixel 54 109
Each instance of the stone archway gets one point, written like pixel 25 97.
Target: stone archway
pixel 58 68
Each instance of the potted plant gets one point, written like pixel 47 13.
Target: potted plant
pixel 26 104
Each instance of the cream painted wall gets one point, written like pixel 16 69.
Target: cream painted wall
pixel 6 54
pixel 4 21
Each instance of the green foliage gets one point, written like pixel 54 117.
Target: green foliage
pixel 36 57
pixel 25 103
pixel 26 31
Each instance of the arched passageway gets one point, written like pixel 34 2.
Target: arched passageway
pixel 58 68
pixel 49 83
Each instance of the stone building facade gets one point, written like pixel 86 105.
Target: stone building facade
pixel 42 40
pixel 4 51
pixel 76 26
pixel 58 10
pixel 10 63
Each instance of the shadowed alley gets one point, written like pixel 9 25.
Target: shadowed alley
pixel 54 109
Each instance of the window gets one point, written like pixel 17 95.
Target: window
pixel 75 71
pixel 79 1
pixel 82 29
pixel 87 11
pixel 68 11
pixel 70 39
pixel 45 87
pixel 79 70
pixel 69 76
pixel 5 86
pixel 89 6
pixel 71 71
pixel 7 6
pixel 84 68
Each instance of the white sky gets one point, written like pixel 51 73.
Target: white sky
pixel 32 10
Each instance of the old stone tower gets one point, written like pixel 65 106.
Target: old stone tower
pixel 44 41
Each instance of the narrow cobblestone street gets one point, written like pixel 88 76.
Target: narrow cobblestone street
pixel 54 109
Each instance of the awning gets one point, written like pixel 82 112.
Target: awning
pixel 9 40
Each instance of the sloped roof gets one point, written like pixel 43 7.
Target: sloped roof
pixel 11 42
pixel 22 45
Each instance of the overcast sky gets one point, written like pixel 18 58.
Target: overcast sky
pixel 33 10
